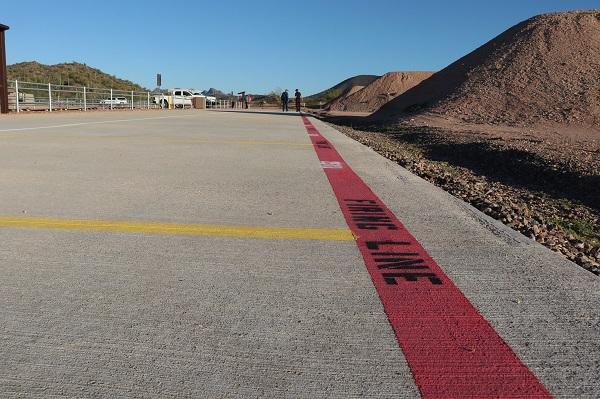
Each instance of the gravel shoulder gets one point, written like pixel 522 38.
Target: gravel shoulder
pixel 549 190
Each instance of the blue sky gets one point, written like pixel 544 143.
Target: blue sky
pixel 259 45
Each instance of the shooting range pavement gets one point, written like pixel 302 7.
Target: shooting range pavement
pixel 206 254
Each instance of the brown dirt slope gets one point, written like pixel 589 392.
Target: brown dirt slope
pixel 340 89
pixel 379 92
pixel 545 69
pixel 334 104
pixel 354 90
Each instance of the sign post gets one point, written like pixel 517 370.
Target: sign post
pixel 3 73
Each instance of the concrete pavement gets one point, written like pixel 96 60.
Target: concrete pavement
pixel 92 312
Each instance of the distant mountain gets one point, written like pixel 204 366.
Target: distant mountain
pixel 73 74
pixel 215 93
pixel 339 89
pixel 267 98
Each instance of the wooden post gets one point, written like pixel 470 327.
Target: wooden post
pixel 3 73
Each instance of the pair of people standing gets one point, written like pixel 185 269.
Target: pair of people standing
pixel 285 99
pixel 246 99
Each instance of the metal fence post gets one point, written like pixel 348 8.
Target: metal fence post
pixel 84 99
pixel 111 99
pixel 132 100
pixel 3 73
pixel 17 94
pixel 49 97
pixel 148 99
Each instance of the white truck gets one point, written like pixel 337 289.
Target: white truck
pixel 176 98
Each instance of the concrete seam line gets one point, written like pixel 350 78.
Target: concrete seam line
pixel 288 233
pixel 161 140
pixel 451 349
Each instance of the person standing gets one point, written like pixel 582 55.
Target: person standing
pixel 244 99
pixel 285 99
pixel 298 96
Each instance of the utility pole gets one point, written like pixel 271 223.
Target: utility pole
pixel 3 73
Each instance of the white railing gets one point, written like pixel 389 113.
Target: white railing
pixel 227 104
pixel 29 96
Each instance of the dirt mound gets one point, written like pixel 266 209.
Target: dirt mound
pixel 353 90
pixel 333 105
pixel 339 90
pixel 379 92
pixel 545 69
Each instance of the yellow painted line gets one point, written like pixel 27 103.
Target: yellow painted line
pixel 286 233
pixel 240 142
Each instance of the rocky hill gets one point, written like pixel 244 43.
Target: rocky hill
pixel 73 74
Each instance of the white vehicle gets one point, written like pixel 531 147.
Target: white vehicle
pixel 176 98
pixel 209 99
pixel 114 101
pixel 180 98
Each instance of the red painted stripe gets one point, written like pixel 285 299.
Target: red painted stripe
pixel 452 351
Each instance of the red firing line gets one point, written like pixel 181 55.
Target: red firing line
pixel 452 351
